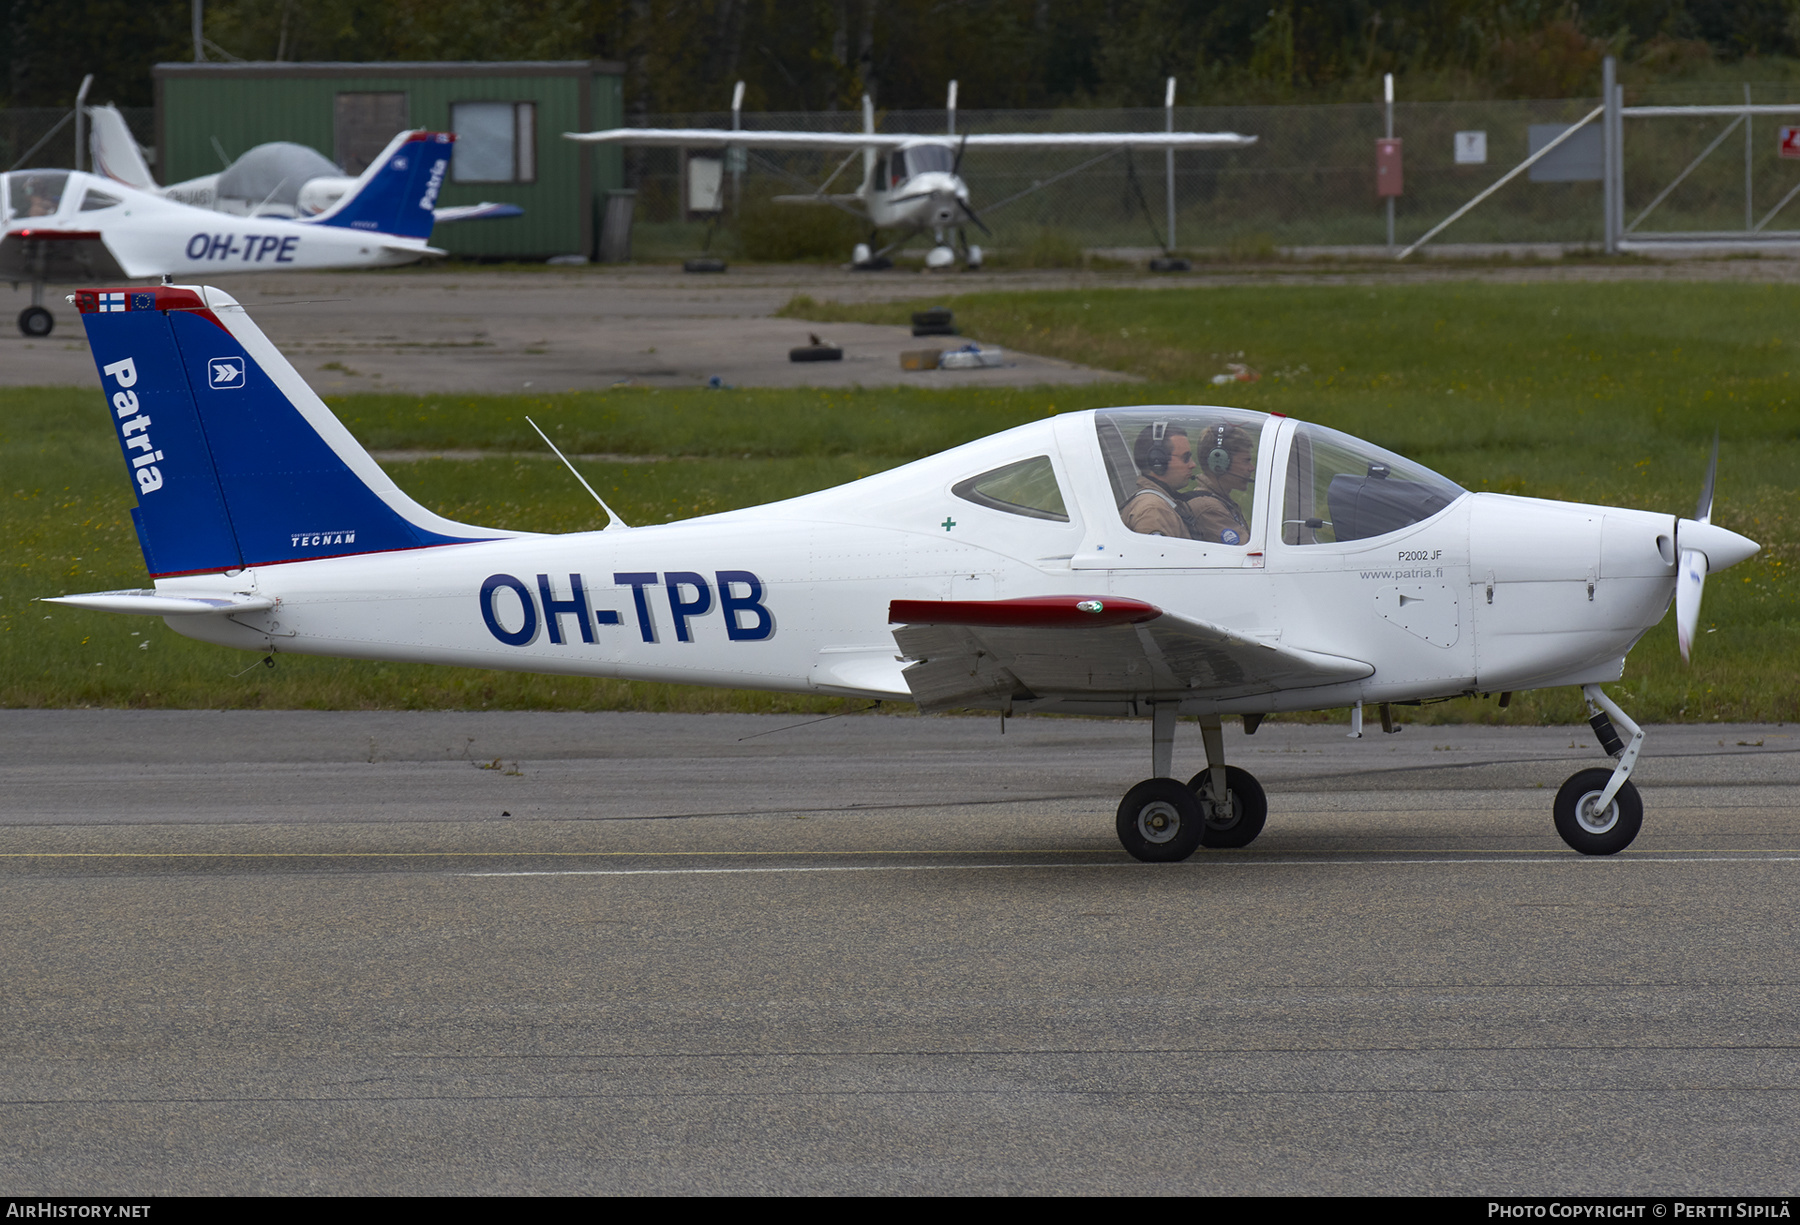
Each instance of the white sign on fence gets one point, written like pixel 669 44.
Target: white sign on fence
pixel 1471 148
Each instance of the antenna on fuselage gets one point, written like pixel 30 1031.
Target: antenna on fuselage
pixel 612 516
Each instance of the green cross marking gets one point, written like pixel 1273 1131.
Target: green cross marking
pixel 948 523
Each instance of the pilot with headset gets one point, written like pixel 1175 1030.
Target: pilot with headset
pixel 1165 460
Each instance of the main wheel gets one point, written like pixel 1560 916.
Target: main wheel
pixel 1242 820
pixel 1159 821
pixel 1597 833
pixel 36 321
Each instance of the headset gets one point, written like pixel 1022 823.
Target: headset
pixel 1158 457
pixel 1218 460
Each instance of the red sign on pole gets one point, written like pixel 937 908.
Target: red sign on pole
pixel 1790 142
pixel 1389 180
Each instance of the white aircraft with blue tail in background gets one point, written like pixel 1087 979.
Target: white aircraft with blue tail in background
pixel 67 225
pixel 1151 561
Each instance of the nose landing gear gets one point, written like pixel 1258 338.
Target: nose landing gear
pixel 1598 812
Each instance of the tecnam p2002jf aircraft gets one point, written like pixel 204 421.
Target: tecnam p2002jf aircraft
pixel 64 225
pixel 1022 572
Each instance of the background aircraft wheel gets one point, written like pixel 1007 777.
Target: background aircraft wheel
pixel 1597 833
pixel 1248 811
pixel 36 321
pixel 1159 821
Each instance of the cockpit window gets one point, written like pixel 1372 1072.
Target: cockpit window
pixel 35 193
pixel 1183 472
pixel 95 200
pixel 1026 488
pixel 921 158
pixel 1341 488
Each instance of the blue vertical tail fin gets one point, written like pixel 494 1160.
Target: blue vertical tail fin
pixel 399 190
pixel 234 460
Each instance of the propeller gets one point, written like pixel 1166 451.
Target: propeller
pixel 956 165
pixel 1703 549
pixel 1690 581
pixel 970 213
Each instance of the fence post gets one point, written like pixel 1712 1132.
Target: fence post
pixel 1388 90
pixel 1610 160
pixel 1749 147
pixel 1169 159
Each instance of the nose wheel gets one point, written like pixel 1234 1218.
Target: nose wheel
pixel 1590 827
pixel 35 321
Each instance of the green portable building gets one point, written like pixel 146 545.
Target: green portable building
pixel 509 147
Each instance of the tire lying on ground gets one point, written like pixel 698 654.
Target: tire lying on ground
pixel 816 353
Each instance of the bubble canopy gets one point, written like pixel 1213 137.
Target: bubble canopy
pixel 1340 488
pixel 1190 472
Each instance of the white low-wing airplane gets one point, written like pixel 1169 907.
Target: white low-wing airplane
pixel 910 183
pixel 278 179
pixel 65 225
pixel 1308 570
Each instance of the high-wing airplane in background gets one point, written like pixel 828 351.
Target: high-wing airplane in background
pixel 278 179
pixel 1064 565
pixel 65 225
pixel 912 184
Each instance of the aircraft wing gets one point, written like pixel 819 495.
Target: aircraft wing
pixel 720 137
pixel 703 138
pixel 30 252
pixel 1106 140
pixel 985 652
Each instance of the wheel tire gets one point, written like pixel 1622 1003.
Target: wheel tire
pixel 1249 809
pixel 1159 821
pixel 35 321
pixel 1617 827
pixel 816 353
pixel 703 264
pixel 1166 263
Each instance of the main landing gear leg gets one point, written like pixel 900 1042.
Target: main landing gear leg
pixel 1163 821
pixel 1159 819
pixel 1598 812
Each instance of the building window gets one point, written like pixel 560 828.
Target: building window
pixel 496 142
pixel 363 125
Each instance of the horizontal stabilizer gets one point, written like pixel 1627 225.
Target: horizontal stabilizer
pixel 146 602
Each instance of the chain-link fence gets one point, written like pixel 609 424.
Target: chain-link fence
pixel 1309 181
pixel 36 136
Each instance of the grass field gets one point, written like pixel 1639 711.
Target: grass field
pixel 1594 392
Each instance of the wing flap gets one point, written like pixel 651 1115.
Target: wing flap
pixel 973 653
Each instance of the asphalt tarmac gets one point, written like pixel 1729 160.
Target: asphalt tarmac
pixel 309 952
pixel 456 328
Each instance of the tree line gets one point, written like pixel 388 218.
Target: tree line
pixel 822 55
